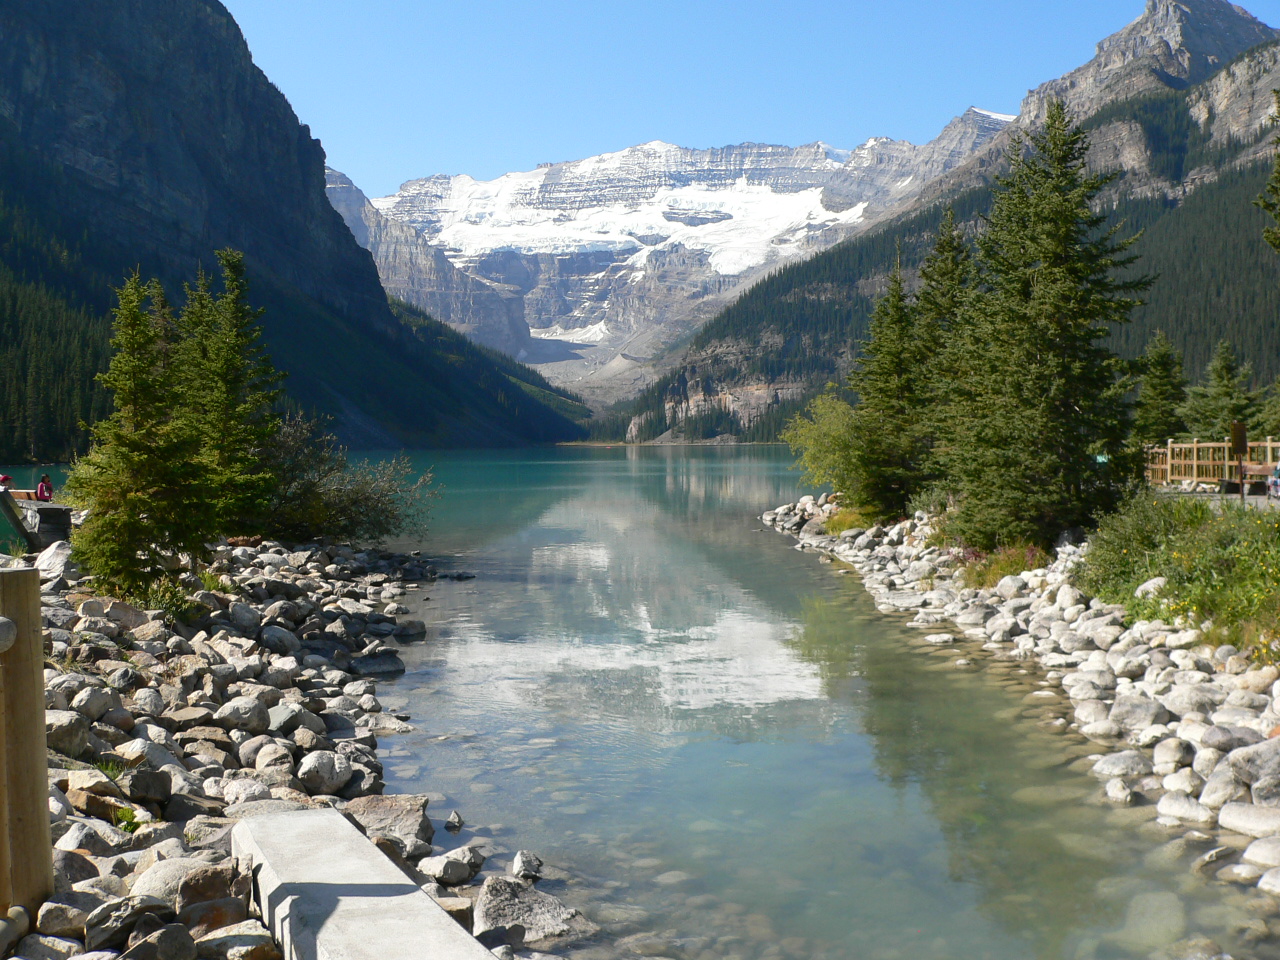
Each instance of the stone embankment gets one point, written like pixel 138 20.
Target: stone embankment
pixel 1190 728
pixel 164 734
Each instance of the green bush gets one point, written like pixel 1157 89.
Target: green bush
pixel 319 493
pixel 984 571
pixel 1221 563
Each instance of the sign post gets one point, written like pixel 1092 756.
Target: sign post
pixel 1240 447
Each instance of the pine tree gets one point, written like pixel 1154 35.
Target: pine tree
pixel 1034 435
pixel 1223 397
pixel 231 388
pixel 143 479
pixel 1162 393
pixel 876 450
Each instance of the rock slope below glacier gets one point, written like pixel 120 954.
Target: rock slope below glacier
pixel 608 260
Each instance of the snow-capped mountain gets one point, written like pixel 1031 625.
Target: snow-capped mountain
pixel 608 260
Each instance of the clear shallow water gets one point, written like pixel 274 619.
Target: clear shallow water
pixel 731 753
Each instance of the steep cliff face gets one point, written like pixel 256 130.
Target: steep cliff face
pixel 419 273
pixel 139 133
pixel 1178 105
pixel 178 143
pixel 1174 44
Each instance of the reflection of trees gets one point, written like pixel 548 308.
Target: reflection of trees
pixel 936 731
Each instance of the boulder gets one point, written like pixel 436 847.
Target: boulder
pixel 210 882
pixel 453 868
pixel 1011 587
pixel 173 941
pixel 64 914
pixel 400 818
pixel 38 946
pixel 1151 587
pixel 1253 763
pixel 1223 787
pixel 54 562
pixel 164 879
pixel 1137 713
pixel 1269 882
pixel 526 866
pixel 1252 821
pixel 243 713
pixel 324 772
pixel 109 926
pixel 66 731
pixel 1128 763
pixel 511 910
pixel 244 941
pixel 1263 853
pixel 1180 806
pixel 208 916
pixel 381 664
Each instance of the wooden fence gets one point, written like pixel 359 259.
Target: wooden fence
pixel 1176 463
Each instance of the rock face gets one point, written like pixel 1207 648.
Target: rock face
pixel 142 134
pixel 621 253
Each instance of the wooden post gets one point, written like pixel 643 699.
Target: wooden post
pixel 24 789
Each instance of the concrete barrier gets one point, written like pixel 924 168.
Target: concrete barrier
pixel 327 893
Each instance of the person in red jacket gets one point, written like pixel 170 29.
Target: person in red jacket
pixel 44 489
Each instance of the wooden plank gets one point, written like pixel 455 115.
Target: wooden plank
pixel 25 786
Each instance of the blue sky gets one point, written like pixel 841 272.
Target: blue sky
pixel 398 89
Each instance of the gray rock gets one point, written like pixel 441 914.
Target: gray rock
pixel 1175 751
pixel 1091 711
pixel 506 904
pixel 1153 920
pixel 171 942
pixel 384 664
pixel 55 562
pixel 243 941
pixel 1252 763
pixel 243 713
pixel 66 731
pixel 110 925
pixel 38 946
pixel 1182 807
pixel 1128 763
pixel 64 915
pixel 164 878
pixel 1228 738
pixel 1137 713
pixel 1011 587
pixel 1266 792
pixel 1252 821
pixel 324 772
pixel 92 702
pixel 1269 882
pixel 453 868
pixel 1263 853
pixel 401 818
pixel 245 617
pixel 526 866
pixel 1151 587
pixel 1185 698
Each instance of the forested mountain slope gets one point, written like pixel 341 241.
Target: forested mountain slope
pixel 1189 159
pixel 138 134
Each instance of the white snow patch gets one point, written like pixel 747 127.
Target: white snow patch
pixel 1003 117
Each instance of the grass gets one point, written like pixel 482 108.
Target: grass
pixel 112 768
pixel 212 581
pixel 982 571
pixel 1221 561
pixel 125 819
pixel 849 518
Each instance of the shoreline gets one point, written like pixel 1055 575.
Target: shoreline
pixel 164 734
pixel 1178 726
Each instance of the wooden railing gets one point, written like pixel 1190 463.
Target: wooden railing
pixel 1176 463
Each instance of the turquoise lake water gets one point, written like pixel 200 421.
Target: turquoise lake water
pixel 731 753
pixel 722 750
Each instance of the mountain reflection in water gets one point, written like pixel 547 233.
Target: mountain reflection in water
pixel 738 753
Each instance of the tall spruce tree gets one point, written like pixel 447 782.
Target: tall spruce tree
pixel 232 388
pixel 875 450
pixel 143 478
pixel 1270 198
pixel 1222 397
pixel 1161 394
pixel 1034 434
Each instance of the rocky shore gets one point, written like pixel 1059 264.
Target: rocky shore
pixel 1179 725
pixel 165 732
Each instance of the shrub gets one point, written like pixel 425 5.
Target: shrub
pixel 847 518
pixel 982 571
pixel 319 493
pixel 1221 563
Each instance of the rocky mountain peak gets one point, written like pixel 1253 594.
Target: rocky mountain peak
pixel 1174 44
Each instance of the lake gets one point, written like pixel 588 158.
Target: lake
pixel 726 751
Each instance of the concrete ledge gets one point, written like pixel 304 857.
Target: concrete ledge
pixel 327 893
